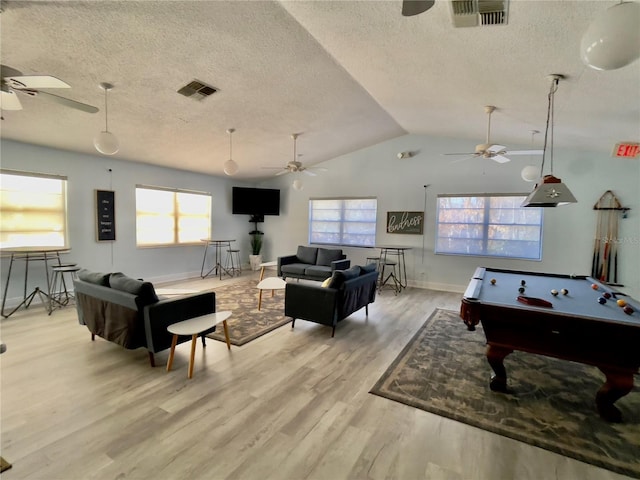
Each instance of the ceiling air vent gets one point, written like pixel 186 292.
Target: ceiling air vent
pixel 197 90
pixel 473 13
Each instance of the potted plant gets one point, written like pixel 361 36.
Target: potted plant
pixel 255 259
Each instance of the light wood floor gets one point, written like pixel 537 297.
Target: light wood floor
pixel 293 404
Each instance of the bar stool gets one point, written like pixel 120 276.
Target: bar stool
pixel 59 296
pixel 391 274
pixel 232 263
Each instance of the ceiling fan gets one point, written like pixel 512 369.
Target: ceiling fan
pixel 493 151
pixel 295 166
pixel 415 7
pixel 13 82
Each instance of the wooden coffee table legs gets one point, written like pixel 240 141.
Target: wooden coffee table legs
pixel 195 327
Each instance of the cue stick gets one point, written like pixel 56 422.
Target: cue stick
pixel 596 249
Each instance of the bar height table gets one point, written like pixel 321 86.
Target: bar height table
pixel 31 254
pixel 217 246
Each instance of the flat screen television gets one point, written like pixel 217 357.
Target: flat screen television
pixel 255 201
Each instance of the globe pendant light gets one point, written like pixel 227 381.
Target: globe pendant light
pixel 549 191
pixel 230 167
pixel 106 142
pixel 530 172
pixel 612 41
pixel 297 183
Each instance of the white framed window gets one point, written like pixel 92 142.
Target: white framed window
pixel 488 225
pixel 34 210
pixel 343 221
pixel 171 217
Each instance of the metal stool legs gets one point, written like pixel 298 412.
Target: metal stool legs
pixel 232 263
pixel 60 295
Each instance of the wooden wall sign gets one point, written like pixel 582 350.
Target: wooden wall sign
pixel 105 216
pixel 405 222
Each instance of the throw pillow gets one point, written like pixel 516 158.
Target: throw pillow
pixel 336 279
pixel 144 290
pixel 340 276
pixel 96 278
pixel 368 268
pixel 327 282
pixel 328 255
pixel 351 273
pixel 307 254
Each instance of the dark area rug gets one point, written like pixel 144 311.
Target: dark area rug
pixel 443 370
pixel 247 322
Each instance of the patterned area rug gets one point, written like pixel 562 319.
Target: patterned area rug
pixel 247 322
pixel 444 370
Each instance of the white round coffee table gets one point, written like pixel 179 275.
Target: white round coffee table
pixel 194 327
pixel 270 283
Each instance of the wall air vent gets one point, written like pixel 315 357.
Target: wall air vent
pixel 197 90
pixel 473 13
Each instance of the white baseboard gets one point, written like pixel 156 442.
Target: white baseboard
pixel 444 287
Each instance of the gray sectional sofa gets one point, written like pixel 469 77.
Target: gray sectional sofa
pixel 312 263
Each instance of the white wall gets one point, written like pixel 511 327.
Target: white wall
pixel 86 173
pixel 569 231
pixel 398 184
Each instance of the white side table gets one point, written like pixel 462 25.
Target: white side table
pixel 194 327
pixel 270 283
pixel 265 265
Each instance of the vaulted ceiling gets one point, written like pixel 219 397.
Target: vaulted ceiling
pixel 345 75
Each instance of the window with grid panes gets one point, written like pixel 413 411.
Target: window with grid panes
pixel 343 221
pixel 492 225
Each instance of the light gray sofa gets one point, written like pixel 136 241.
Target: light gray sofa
pixel 312 263
pixel 128 312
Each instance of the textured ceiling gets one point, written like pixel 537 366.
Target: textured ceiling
pixel 344 74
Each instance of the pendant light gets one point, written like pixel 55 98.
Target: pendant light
pixel 612 41
pixel 297 183
pixel 106 142
pixel 530 172
pixel 230 167
pixel 549 191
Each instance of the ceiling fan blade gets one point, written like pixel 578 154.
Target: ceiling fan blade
pixel 36 81
pixel 466 153
pixel 282 172
pixel 319 169
pixel 473 155
pixel 496 148
pixel 307 172
pixel 415 7
pixel 500 159
pixel 69 103
pixel 9 100
pixel 525 152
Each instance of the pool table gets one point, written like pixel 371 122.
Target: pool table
pixel 573 326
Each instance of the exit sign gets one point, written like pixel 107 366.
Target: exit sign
pixel 626 149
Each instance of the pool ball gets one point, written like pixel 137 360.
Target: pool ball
pixel 606 295
pixel 594 286
pixel 554 292
pixel 565 291
pixel 621 303
pixel 628 310
pixel 521 289
pixel 523 283
pixel 602 300
pixel 493 281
